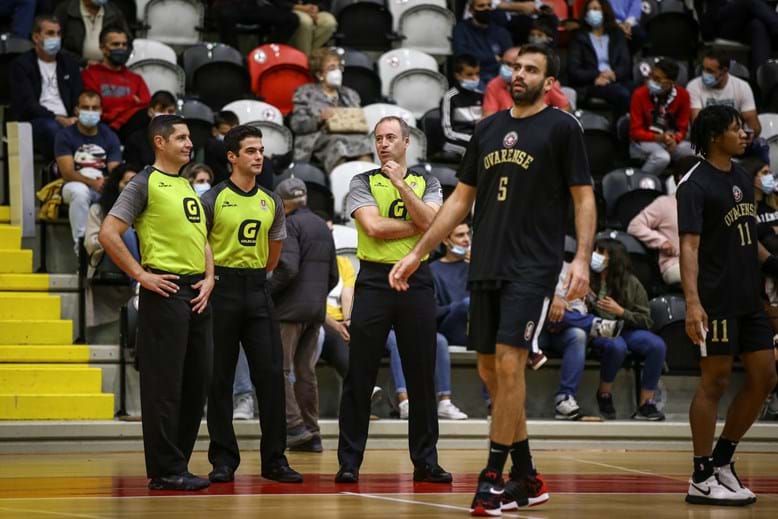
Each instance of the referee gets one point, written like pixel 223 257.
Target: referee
pixel 246 227
pixel 392 206
pixel 521 168
pixel 175 336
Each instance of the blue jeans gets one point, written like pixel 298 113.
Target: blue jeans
pixel 454 325
pixel 442 365
pixel 571 344
pixel 644 343
pixel 23 12
pixel 242 384
pixel 572 319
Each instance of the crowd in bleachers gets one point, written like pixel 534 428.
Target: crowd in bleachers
pixel 89 75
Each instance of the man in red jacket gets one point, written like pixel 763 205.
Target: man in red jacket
pixel 125 95
pixel 659 119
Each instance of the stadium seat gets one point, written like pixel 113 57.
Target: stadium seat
pixel 396 61
pixel 175 22
pixel 320 198
pixel 249 110
pixel 398 7
pixel 10 47
pixel 374 113
pixel 345 239
pixel 140 11
pixel 669 315
pixel 767 79
pixel 602 147
pixel 642 68
pixel 627 192
pixel 739 70
pixel 418 90
pixel 644 263
pixel 673 34
pixel 769 123
pixel 359 73
pixel 340 179
pixel 363 24
pixel 276 72
pixel 443 172
pixel 143 49
pixel 427 28
pixel 417 150
pixel 199 118
pixel 305 171
pixel 161 75
pixel 773 143
pixel 277 138
pixel 216 73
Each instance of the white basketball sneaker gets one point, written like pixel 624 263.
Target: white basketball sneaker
pixel 727 476
pixel 713 492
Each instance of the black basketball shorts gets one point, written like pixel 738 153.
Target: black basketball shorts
pixel 736 335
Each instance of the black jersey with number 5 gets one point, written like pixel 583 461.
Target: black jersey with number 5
pixel 522 170
pixel 720 208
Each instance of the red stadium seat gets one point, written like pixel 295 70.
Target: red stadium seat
pixel 276 71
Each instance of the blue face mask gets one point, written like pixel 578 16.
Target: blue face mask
pixel 89 118
pixel 599 262
pixel 201 189
pixel 506 73
pixel 709 80
pixel 458 250
pixel 470 84
pixel 594 18
pixel 767 184
pixel 51 46
pixel 99 3
pixel 654 88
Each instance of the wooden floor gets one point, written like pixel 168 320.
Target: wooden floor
pixel 583 484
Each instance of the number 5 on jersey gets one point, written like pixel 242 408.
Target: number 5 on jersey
pixel 502 190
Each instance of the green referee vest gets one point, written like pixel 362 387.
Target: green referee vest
pixel 390 205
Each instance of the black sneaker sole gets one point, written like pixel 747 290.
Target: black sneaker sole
pixel 702 500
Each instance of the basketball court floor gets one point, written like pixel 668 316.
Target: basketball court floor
pixel 583 484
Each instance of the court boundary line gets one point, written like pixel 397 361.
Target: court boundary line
pixel 626 469
pixel 427 503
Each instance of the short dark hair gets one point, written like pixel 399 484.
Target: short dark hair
pixel 162 98
pixel 711 122
pixel 37 23
pixel 89 93
pixel 405 130
pixel 552 60
pixel 752 165
pixel 118 29
pixel 608 17
pixel 464 60
pixel 225 117
pixel 236 135
pixel 111 187
pixel 163 125
pixel 669 68
pixel 719 55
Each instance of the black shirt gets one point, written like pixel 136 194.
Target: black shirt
pixel 523 170
pixel 720 208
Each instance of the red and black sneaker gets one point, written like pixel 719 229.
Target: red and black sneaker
pixel 488 498
pixel 527 491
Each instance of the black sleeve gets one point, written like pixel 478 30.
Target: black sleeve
pixel 575 163
pixel 334 275
pixel 208 200
pixel 468 168
pixel 691 202
pixel 216 159
pixel 289 263
pixel 622 60
pixel 25 103
pixel 74 84
pixel 579 76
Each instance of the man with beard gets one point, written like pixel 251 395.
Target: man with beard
pixel 521 169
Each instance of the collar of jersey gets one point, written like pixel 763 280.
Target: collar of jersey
pixel 239 191
pixel 163 173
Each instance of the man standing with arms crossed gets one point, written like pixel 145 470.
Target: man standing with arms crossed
pixel 392 206
pixel 521 169
pixel 175 334
pixel 246 227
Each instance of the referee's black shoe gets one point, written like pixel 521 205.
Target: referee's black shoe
pixel 283 474
pixel 347 475
pixel 184 481
pixel 432 474
pixel 221 474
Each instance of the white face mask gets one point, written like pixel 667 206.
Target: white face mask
pixel 458 250
pixel 599 262
pixel 334 78
pixel 201 189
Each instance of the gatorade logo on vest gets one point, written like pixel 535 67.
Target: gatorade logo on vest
pixel 248 231
pixel 398 210
pixel 192 209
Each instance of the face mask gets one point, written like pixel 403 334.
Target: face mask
pixel 594 18
pixel 767 184
pixel 709 80
pixel 99 3
pixel 51 46
pixel 220 137
pixel 201 189
pixel 118 57
pixel 483 17
pixel 470 84
pixel 599 262
pixel 538 40
pixel 654 88
pixel 458 250
pixel 506 73
pixel 334 78
pixel 89 118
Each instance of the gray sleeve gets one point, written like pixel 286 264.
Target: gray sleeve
pixel 433 193
pixel 359 194
pixel 132 200
pixel 278 229
pixel 208 201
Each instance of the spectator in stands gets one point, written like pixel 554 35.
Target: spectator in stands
pixel 277 21
pixel 23 12
pixel 498 95
pixel 215 152
pixel 137 149
pixel 627 13
pixel 753 22
pixel 659 119
pixel 199 176
pixel 716 86
pixel 125 94
pixel 306 272
pixel 46 84
pixel 314 104
pixel 599 61
pixel 481 38
pixel 657 227
pixel 82 24
pixel 461 107
pixel 338 318
pixel 85 152
pixel 617 294
pixel 519 16
pixel 316 25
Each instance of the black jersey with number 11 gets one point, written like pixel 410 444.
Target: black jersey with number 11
pixel 523 170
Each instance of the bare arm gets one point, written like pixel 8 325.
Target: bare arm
pixel 377 226
pixel 752 120
pixel 696 318
pixel 274 254
pixel 421 214
pixel 346 302
pixel 695 112
pixel 577 281
pixel 67 170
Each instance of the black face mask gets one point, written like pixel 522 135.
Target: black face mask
pixel 483 17
pixel 118 57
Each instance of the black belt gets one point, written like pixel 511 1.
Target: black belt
pixel 241 272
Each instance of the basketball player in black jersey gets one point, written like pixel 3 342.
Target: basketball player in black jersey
pixel 521 168
pixel 720 258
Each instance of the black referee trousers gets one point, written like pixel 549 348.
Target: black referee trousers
pixel 377 308
pixel 175 347
pixel 243 314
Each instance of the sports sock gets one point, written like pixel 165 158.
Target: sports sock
pixel 703 468
pixel 498 455
pixel 723 451
pixel 523 465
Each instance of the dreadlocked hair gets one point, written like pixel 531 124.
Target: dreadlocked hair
pixel 709 124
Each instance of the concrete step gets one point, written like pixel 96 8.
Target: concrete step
pixel 57 353
pixel 91 406
pixel 5 214
pixel 10 237
pixel 38 282
pixel 29 305
pixel 36 332
pixel 49 379
pixel 15 261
